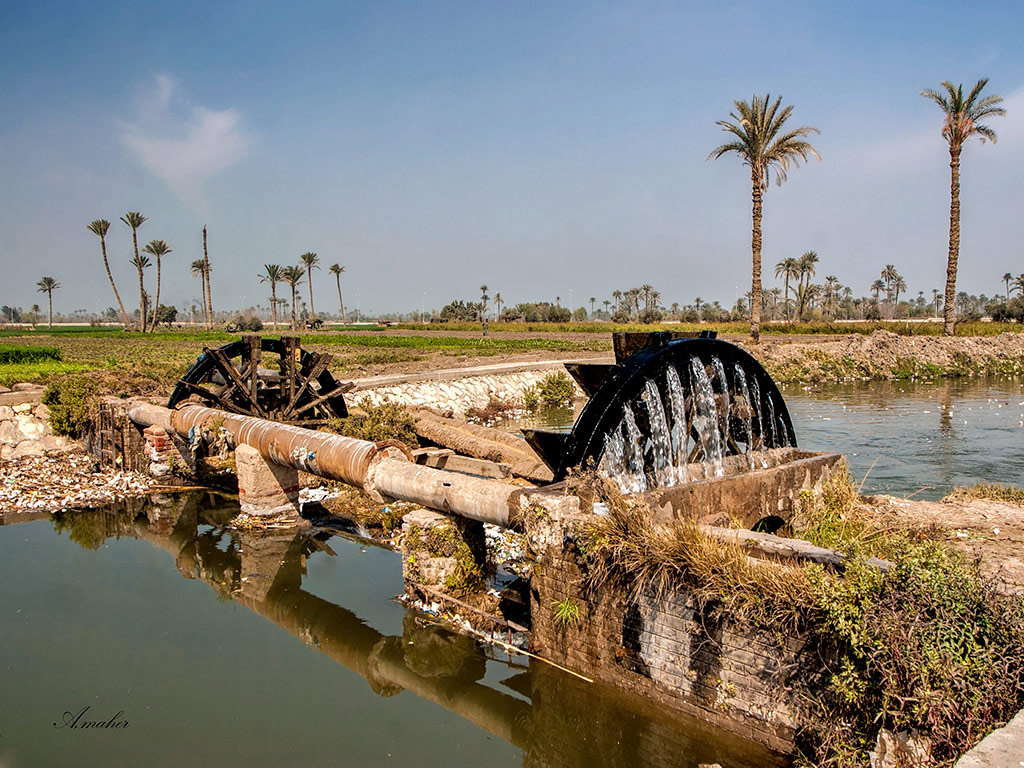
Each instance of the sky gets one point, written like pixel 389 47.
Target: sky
pixel 543 149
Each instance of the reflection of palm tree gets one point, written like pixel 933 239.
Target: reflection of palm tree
pixel 336 270
pixel 963 116
pixel 946 410
pixel 99 228
pixel 272 274
pixel 134 220
pixel 761 143
pixel 48 285
pixel 312 261
pixel 157 248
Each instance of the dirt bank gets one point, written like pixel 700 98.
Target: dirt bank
pixel 886 355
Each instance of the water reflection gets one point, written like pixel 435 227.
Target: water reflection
pixel 552 718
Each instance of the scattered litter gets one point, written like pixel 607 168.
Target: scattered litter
pixel 66 481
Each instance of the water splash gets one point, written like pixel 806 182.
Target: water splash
pixel 706 415
pixel 633 453
pixel 748 413
pixel 725 402
pixel 661 438
pixel 680 434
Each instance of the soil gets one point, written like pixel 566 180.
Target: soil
pixel 991 531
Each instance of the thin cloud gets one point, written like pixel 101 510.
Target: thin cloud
pixel 183 144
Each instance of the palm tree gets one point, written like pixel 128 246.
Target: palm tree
pixel 775 294
pixel 336 270
pixel 1007 278
pixel 134 219
pixel 312 261
pixel 142 263
pixel 617 295
pixel 606 304
pixel 805 267
pixel 293 276
pixel 498 302
pixel 48 285
pixel 593 300
pixel 198 269
pixel 272 274
pixel 832 286
pixel 483 302
pixel 877 287
pixel 787 268
pixel 1019 283
pixel 157 248
pixel 963 118
pixel 898 284
pixel 762 145
pixel 99 228
pixel 207 269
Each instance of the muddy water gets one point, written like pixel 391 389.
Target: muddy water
pixel 181 643
pixel 901 437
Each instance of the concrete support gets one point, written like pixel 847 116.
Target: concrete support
pixel 265 488
pixel 442 552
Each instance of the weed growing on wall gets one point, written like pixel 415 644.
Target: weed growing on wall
pixel 70 401
pixel 386 421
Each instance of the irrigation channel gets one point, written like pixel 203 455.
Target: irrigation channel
pixel 193 644
pixel 900 437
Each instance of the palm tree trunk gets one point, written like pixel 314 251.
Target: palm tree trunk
pixel 293 307
pixel 273 301
pixel 312 309
pixel 49 295
pixel 142 288
pixel 156 300
pixel 949 310
pixel 789 314
pixel 341 304
pixel 755 247
pixel 206 278
pixel 110 277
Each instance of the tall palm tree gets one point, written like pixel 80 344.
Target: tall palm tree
pixel 293 276
pixel 198 269
pixel 207 269
pixel 806 267
pixel 336 270
pixel 312 261
pixel 963 116
pixel 48 285
pixel 156 248
pixel 1019 283
pixel 617 295
pixel 786 269
pixel 498 302
pixel 99 228
pixel 606 304
pixel 593 300
pixel 877 287
pixel 141 264
pixel 898 284
pixel 1007 278
pixel 763 145
pixel 134 220
pixel 483 302
pixel 832 286
pixel 272 274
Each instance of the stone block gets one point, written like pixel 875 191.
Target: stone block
pixel 10 434
pixel 27 448
pixel 442 552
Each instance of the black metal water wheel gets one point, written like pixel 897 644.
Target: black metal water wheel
pixel 683 390
pixel 232 378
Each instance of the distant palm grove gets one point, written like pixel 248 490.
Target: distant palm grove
pixel 758 135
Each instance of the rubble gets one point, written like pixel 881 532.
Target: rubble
pixel 65 481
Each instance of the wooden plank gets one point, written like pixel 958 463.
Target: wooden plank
pixel 320 362
pixel 454 463
pixel 234 380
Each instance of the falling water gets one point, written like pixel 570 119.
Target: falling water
pixel 661 438
pixel 613 460
pixel 706 415
pixel 725 406
pixel 633 453
pixel 767 440
pixel 680 435
pixel 748 413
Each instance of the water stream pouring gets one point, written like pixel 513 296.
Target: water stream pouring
pixel 671 410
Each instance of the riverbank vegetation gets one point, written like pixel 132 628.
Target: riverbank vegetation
pixel 928 647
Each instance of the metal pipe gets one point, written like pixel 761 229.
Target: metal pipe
pixel 375 468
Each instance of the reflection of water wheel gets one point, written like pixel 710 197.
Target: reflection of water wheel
pixel 674 403
pixel 232 378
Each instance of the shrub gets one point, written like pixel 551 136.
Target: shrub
pixel 70 401
pixel 557 389
pixel 387 421
pixel 10 355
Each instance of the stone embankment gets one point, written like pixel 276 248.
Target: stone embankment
pixel 24 424
pixel 458 395
pixel 886 355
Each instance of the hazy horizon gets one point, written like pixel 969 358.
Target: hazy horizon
pixel 541 150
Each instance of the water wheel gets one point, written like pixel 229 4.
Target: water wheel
pixel 672 408
pixel 299 391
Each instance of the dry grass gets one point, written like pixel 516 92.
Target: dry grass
pixel 988 492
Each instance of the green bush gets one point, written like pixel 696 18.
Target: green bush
pixel 10 355
pixel 557 389
pixel 70 401
pixel 387 421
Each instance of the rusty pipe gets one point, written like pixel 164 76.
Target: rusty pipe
pixel 375 469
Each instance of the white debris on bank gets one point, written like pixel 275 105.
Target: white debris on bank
pixel 65 481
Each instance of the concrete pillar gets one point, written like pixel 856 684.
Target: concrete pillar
pixel 265 488
pixel 443 552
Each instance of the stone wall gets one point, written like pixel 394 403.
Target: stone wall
pixel 458 395
pixel 664 647
pixel 25 426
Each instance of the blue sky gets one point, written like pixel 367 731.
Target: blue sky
pixel 540 148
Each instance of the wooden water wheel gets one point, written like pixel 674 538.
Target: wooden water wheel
pixel 300 391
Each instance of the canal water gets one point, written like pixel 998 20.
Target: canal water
pixel 903 438
pixel 180 642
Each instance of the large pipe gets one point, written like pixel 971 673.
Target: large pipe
pixel 375 468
